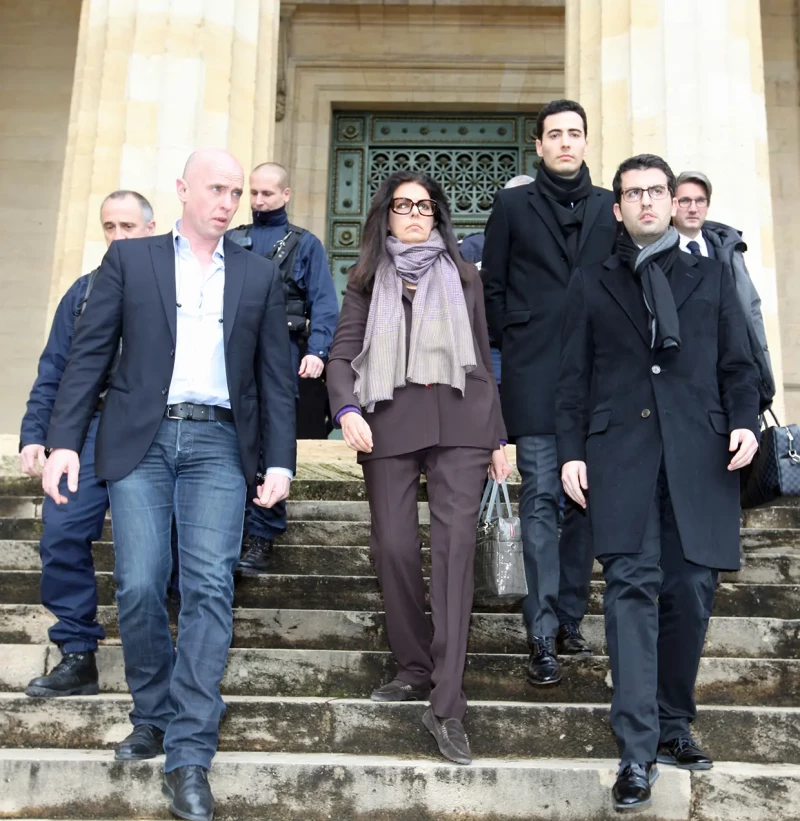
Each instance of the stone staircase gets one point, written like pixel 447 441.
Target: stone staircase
pixel 301 740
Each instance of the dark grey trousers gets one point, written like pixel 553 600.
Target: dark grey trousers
pixel 657 607
pixel 455 477
pixel 559 572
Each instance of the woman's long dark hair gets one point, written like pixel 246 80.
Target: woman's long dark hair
pixel 376 228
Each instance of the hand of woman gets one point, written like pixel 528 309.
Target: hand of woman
pixel 500 469
pixel 356 432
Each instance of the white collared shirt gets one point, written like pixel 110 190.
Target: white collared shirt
pixel 699 239
pixel 199 374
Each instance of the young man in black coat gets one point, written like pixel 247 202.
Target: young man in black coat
pixel 656 412
pixel 536 236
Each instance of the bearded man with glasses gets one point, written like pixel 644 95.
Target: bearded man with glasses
pixel 703 237
pixel 656 412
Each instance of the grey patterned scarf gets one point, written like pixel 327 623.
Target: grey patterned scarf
pixel 442 350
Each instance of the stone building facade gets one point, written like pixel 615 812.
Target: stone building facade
pixel 101 94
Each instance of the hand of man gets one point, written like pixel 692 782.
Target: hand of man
pixel 500 469
pixel 32 460
pixel 311 367
pixel 575 481
pixel 61 461
pixel 356 431
pixel 744 441
pixel 275 489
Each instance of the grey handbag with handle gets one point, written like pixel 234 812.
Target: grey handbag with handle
pixel 499 564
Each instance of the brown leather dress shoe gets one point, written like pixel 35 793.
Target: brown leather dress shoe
pixel 450 736
pixel 397 690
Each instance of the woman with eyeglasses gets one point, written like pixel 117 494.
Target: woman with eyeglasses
pixel 410 382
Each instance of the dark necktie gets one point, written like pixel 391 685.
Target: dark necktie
pixel 694 248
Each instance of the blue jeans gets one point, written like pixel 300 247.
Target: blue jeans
pixel 194 470
pixel 68 587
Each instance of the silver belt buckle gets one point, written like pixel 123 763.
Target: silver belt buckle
pixel 169 413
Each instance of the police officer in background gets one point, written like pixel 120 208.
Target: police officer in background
pixel 68 587
pixel 312 312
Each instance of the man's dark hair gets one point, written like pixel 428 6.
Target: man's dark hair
pixel 639 163
pixel 147 209
pixel 376 228
pixel 557 107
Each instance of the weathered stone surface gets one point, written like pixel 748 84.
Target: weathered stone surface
pixel 354 674
pixel 497 729
pixel 276 787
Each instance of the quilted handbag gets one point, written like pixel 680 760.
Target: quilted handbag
pixel 499 565
pixel 775 469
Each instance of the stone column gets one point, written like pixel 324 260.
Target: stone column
pixel 685 80
pixel 155 79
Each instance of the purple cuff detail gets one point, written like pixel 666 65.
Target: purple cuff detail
pixel 344 410
pixel 503 442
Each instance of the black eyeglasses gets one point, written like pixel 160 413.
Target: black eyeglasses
pixel 403 206
pixel 656 192
pixel 686 202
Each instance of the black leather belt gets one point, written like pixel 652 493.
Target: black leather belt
pixel 199 413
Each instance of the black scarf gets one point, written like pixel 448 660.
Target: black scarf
pixel 652 265
pixel 270 218
pixel 567 198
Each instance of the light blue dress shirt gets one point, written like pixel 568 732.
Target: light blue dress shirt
pixel 199 375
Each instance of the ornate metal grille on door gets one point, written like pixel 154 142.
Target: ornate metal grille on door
pixel 470 155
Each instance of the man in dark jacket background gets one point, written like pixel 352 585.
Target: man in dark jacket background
pixel 656 412
pixel 312 313
pixel 536 236
pixel 68 587
pixel 703 237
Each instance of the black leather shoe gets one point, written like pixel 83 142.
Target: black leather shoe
pixel 146 741
pixel 570 640
pixel 397 690
pixel 256 556
pixel 684 753
pixel 450 736
pixel 190 793
pixel 74 675
pixel 543 664
pixel 631 791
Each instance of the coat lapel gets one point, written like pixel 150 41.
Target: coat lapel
pixel 618 281
pixel 235 268
pixel 162 254
pixel 546 213
pixel 686 276
pixel 594 205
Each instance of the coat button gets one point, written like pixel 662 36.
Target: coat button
pixel 645 413
pixel 655 369
pixel 164 392
pixel 172 352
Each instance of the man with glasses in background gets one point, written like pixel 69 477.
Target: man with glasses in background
pixel 702 237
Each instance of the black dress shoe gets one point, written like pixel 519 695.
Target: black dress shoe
pixel 543 664
pixel 256 557
pixel 570 640
pixel 631 791
pixel 190 793
pixel 450 736
pixel 146 741
pixel 397 690
pixel 684 753
pixel 74 675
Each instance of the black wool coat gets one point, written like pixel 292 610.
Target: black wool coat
pixel 526 273
pixel 622 407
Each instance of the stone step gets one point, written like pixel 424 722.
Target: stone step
pixel 777 516
pixel 777 566
pixel 362 593
pixel 353 533
pixel 321 787
pixel 497 729
pixel 728 637
pixel 325 787
pixel 354 674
